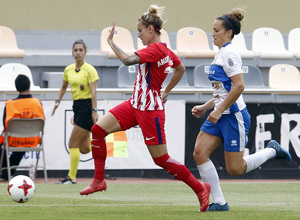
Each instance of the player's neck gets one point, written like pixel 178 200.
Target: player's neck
pixel 79 64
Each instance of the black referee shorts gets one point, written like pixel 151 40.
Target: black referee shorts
pixel 82 109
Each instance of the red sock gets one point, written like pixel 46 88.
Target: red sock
pixel 99 150
pixel 179 171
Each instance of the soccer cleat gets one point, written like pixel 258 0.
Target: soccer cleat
pixel 203 197
pixel 95 186
pixel 217 207
pixel 66 181
pixel 280 152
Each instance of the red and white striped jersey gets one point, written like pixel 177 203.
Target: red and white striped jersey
pixel 156 61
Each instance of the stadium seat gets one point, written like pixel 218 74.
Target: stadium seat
pixel 239 42
pixel 268 43
pixel 284 76
pixel 252 76
pixel 127 75
pixel 164 37
pixel 8 43
pixel 9 72
pixel 122 37
pixel 192 42
pixel 183 83
pixel 51 79
pixel 293 42
pixel 200 76
pixel 24 127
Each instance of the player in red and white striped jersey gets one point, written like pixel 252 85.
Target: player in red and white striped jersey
pixel 146 106
pixel 156 61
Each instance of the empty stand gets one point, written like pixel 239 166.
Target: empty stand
pixel 51 79
pixel 192 42
pixel 200 76
pixel 8 43
pixel 268 43
pixel 183 83
pixel 122 37
pixel 294 43
pixel 284 76
pixel 252 76
pixel 127 75
pixel 9 72
pixel 240 44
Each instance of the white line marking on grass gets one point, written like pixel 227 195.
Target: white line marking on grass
pixel 84 205
pixel 147 204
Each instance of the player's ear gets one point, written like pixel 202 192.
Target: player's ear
pixel 151 28
pixel 229 33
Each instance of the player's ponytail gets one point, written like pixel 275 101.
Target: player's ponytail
pixel 153 17
pixel 232 20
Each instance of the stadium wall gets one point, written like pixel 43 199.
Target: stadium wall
pixel 98 14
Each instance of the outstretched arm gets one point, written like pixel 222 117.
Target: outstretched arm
pixel 125 58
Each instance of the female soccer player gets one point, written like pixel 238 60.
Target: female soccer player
pixel 83 79
pixel 146 106
pixel 229 122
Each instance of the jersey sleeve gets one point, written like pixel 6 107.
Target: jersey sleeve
pixel 232 63
pixel 147 55
pixel 93 74
pixel 176 60
pixel 65 76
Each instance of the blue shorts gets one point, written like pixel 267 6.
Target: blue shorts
pixel 232 129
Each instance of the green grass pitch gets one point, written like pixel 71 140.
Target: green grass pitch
pixel 172 200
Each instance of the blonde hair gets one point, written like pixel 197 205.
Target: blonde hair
pixel 153 17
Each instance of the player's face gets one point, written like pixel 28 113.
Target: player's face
pixel 143 33
pixel 219 34
pixel 79 52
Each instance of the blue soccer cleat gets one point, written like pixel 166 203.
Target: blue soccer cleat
pixel 280 152
pixel 217 207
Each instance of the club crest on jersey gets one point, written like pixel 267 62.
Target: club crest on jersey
pixel 215 85
pixel 230 62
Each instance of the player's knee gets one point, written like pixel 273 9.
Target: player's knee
pixel 97 131
pixel 84 151
pixel 72 143
pixel 199 156
pixel 196 155
pixel 160 161
pixel 234 171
